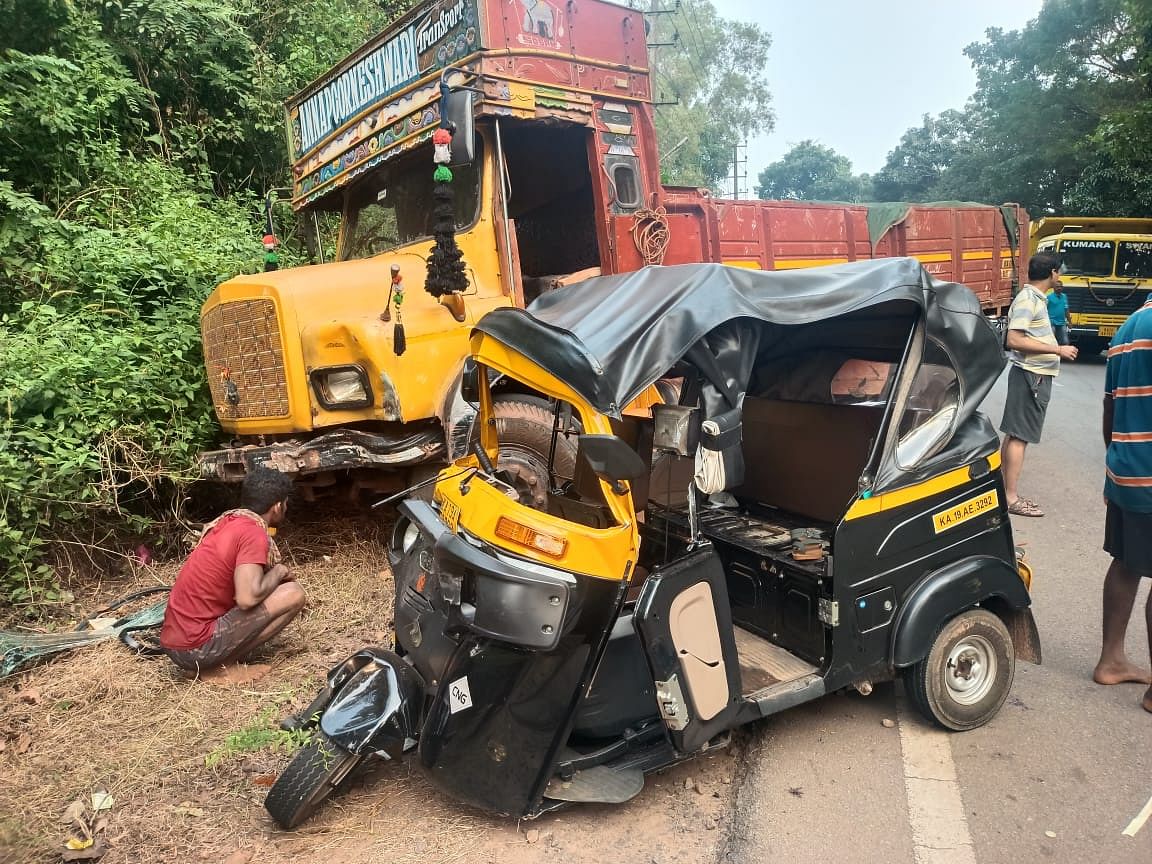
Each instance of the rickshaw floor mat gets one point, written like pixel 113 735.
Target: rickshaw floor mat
pixel 599 784
pixel 763 664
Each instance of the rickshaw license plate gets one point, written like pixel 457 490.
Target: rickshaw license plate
pixel 1107 331
pixel 964 511
pixel 450 513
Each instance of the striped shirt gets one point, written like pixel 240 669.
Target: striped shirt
pixel 1128 381
pixel 1029 313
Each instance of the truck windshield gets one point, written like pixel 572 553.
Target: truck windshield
pixel 1134 260
pixel 392 205
pixel 1087 257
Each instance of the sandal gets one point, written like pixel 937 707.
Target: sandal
pixel 1024 507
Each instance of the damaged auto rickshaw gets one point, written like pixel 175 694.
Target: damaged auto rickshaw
pixel 812 504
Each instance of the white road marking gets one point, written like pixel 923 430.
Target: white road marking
pixel 1138 823
pixel 935 806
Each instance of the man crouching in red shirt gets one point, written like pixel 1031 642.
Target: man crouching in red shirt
pixel 233 594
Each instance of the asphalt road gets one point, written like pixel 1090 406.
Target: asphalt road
pixel 1057 776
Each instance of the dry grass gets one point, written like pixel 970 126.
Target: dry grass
pixel 101 718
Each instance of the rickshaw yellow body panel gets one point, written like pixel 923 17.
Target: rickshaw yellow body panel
pixel 899 497
pixel 602 553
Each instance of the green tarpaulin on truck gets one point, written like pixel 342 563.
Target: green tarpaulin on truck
pixel 884 214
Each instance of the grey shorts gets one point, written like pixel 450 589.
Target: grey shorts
pixel 234 636
pixel 1026 404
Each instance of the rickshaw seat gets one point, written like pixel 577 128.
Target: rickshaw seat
pixel 804 457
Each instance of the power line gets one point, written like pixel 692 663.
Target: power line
pixel 697 37
pixel 695 68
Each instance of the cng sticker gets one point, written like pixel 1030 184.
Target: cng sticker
pixel 969 509
pixel 459 696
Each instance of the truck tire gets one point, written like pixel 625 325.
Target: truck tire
pixel 316 770
pixel 524 428
pixel 967 674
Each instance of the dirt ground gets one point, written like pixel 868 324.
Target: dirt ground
pixel 187 763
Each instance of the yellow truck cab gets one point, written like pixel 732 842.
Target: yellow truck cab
pixel 1107 271
pixel 305 369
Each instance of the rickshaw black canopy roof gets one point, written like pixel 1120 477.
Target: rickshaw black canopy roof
pixel 611 337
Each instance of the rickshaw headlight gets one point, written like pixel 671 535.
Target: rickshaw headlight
pixel 548 544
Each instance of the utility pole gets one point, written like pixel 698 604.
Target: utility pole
pixel 739 169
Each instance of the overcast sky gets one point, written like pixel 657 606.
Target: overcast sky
pixel 855 74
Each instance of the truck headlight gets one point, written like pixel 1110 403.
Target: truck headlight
pixel 340 387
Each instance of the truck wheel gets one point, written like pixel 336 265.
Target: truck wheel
pixel 312 775
pixel 524 427
pixel 966 676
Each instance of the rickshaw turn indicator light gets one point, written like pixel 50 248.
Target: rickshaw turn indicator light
pixel 530 537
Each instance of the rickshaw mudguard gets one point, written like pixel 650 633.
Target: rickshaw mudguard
pixel 375 704
pixel 945 593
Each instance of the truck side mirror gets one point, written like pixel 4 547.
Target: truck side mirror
pixel 456 111
pixel 610 458
pixel 470 382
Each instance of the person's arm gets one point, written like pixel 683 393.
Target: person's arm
pixel 252 577
pixel 254 583
pixel 1018 340
pixel 1109 415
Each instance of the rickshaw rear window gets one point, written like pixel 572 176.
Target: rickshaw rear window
pixel 931 410
pixel 862 382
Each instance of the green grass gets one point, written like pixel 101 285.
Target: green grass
pixel 262 734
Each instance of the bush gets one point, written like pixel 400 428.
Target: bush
pixel 103 398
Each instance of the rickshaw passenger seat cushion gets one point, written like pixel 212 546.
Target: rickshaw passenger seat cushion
pixel 805 457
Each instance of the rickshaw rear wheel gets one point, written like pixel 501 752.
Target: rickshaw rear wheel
pixel 967 674
pixel 314 773
pixel 524 428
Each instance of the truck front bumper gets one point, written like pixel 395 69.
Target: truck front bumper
pixel 341 450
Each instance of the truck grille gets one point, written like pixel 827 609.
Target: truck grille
pixel 1124 299
pixel 242 345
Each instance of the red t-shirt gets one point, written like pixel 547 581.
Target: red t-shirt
pixel 206 586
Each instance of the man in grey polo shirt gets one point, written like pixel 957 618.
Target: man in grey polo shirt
pixel 1035 356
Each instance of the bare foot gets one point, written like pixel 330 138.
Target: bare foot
pixel 1120 673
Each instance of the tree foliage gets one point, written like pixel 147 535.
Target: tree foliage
pixel 925 152
pixel 812 172
pixel 713 74
pixel 136 139
pixel 1059 122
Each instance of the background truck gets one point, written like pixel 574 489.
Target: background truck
pixel 1107 271
pixel 564 183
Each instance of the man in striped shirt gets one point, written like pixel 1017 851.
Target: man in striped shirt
pixel 1035 357
pixel 1128 493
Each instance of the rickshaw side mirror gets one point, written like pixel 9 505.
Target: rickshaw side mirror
pixel 677 429
pixel 610 458
pixel 456 108
pixel 470 382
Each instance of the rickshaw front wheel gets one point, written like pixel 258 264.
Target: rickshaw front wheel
pixel 967 674
pixel 316 770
